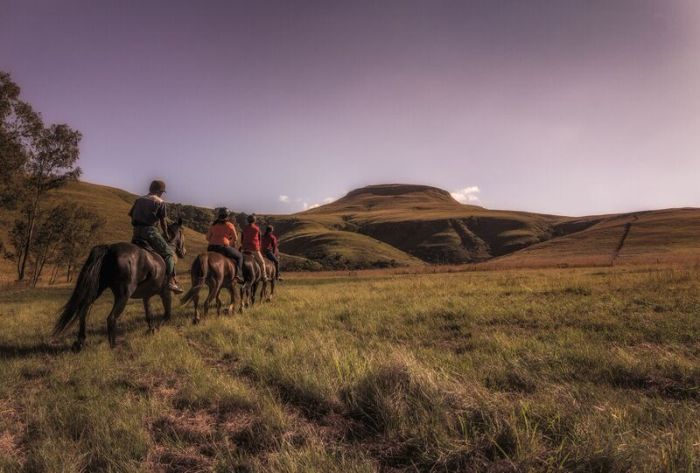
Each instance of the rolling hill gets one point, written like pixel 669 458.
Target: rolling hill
pixel 424 223
pixel 395 225
pixel 110 203
pixel 427 224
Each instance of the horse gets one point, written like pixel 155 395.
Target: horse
pixel 271 281
pixel 252 278
pixel 129 271
pixel 215 271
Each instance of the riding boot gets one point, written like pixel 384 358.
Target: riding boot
pixel 174 286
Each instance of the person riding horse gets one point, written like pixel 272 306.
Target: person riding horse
pixel 222 238
pixel 251 244
pixel 129 271
pixel 147 212
pixel 270 249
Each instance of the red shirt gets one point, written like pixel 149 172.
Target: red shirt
pixel 269 242
pixel 251 238
pixel 223 234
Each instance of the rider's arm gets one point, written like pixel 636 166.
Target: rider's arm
pixel 164 227
pixel 162 213
pixel 234 236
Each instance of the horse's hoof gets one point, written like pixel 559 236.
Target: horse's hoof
pixel 195 321
pixel 151 331
pixel 77 346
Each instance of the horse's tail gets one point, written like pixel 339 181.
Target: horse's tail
pixel 87 289
pixel 198 273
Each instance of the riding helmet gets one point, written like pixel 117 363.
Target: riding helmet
pixel 222 212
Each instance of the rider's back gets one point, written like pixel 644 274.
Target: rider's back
pixel 147 211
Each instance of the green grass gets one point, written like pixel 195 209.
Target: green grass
pixel 537 370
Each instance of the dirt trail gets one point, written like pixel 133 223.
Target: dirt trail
pixel 621 243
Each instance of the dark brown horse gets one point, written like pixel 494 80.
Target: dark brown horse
pixel 128 271
pixel 215 271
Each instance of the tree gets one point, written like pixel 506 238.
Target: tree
pixel 51 157
pixel 18 123
pixel 63 236
pixel 77 238
pixel 34 159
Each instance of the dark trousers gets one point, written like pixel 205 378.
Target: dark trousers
pixel 229 252
pixel 271 256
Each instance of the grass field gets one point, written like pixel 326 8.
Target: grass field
pixel 527 370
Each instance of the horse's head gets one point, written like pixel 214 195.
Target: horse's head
pixel 177 238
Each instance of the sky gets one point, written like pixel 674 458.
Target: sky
pixel 568 107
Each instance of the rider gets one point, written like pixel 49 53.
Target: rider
pixel 147 212
pixel 270 248
pixel 251 243
pixel 222 238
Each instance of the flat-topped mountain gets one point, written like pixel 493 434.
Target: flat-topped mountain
pixel 391 196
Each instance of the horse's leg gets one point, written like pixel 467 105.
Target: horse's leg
pixel 80 342
pixel 195 300
pixel 272 289
pixel 218 302
pixel 121 297
pixel 263 291
pixel 167 297
pixel 241 295
pixel 232 293
pixel 147 312
pixel 253 294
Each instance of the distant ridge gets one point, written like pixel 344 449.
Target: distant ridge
pixel 389 225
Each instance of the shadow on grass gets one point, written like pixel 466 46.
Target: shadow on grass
pixel 23 351
pixel 133 326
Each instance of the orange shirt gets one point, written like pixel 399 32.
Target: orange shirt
pixel 251 238
pixel 223 234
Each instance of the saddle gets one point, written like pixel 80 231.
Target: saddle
pixel 144 244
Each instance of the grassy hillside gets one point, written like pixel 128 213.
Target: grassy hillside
pixel 501 371
pixel 429 225
pixel 662 236
pixel 111 204
pixel 423 222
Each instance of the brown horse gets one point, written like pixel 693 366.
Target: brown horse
pixel 215 271
pixel 270 283
pixel 252 279
pixel 129 271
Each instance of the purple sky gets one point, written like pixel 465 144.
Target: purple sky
pixel 560 106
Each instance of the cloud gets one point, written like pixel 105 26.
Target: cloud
pixel 328 200
pixel 466 195
pixel 308 206
pixel 284 198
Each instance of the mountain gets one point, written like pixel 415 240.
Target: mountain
pixel 427 224
pixel 403 225
pixel 424 223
